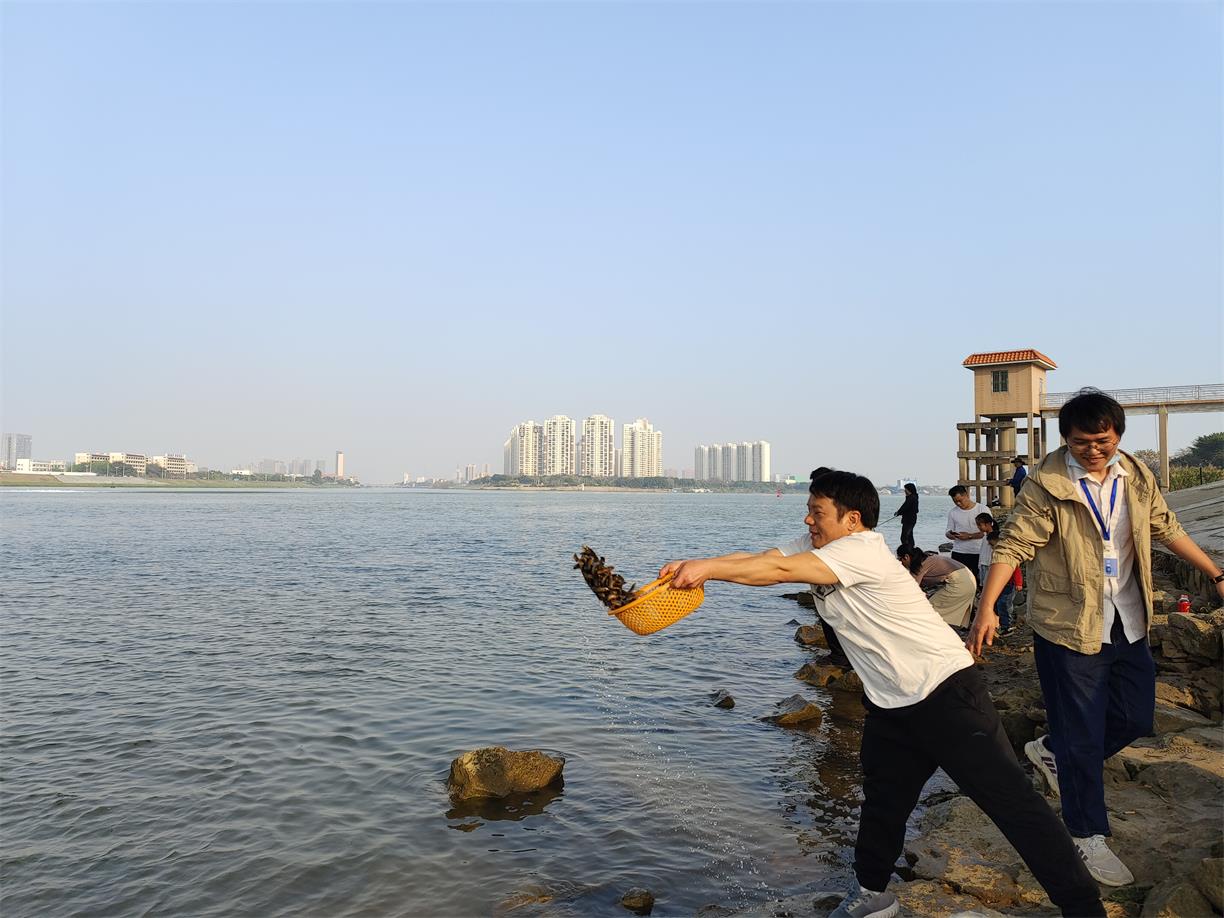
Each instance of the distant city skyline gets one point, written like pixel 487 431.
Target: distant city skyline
pixel 265 230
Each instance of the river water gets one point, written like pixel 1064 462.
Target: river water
pixel 246 703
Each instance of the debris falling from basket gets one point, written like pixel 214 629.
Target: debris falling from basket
pixel 601 577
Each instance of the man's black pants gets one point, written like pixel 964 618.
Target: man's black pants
pixel 957 728
pixel 970 561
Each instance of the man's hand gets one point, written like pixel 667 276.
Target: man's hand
pixel 983 631
pixel 687 575
pixel 669 568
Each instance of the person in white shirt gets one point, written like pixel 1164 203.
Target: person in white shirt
pixel 927 705
pixel 1085 521
pixel 967 539
pixel 986 525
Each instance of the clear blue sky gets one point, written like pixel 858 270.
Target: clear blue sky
pixel 281 229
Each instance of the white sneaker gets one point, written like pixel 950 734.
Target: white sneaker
pixel 863 903
pixel 1102 863
pixel 1038 752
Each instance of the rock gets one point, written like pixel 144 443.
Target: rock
pixel 1208 876
pixel 1207 687
pixel 1174 694
pixel 819 673
pixel 498 772
pixel 1019 727
pixel 796 712
pixel 827 900
pixel 1170 719
pixel 926 897
pixel 1194 635
pixel 638 900
pixel 960 847
pixel 848 681
pixel 1178 779
pixel 722 699
pixel 1175 898
pixel 805 599
pixel 811 636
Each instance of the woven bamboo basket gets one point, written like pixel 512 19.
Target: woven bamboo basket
pixel 657 606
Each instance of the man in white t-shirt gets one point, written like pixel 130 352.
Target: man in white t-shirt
pixel 927 706
pixel 967 539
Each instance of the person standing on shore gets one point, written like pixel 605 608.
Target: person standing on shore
pixel 963 529
pixel 1019 475
pixel 927 704
pixel 908 512
pixel 1085 523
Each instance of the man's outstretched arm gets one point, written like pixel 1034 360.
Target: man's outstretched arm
pixel 765 569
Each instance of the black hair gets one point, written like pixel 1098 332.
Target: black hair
pixel 985 518
pixel 915 554
pixel 816 473
pixel 909 486
pixel 957 489
pixel 992 536
pixel 1019 460
pixel 848 492
pixel 1091 411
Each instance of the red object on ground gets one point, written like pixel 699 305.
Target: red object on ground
pixel 1183 603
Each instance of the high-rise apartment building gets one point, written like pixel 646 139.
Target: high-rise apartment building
pixel 730 461
pixel 15 446
pixel 743 463
pixel 641 450
pixel 523 449
pixel 339 465
pixel 760 461
pixel 558 456
pixel 597 456
pixel 701 457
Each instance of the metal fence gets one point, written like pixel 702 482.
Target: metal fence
pixel 1165 395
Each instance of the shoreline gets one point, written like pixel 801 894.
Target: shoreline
pixel 25 480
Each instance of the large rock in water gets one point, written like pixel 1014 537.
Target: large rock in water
pixel 496 771
pixel 797 713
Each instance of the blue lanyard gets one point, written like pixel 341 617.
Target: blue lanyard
pixel 1113 496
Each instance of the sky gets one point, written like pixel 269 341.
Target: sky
pixel 247 230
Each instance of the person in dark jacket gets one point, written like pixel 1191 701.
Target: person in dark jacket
pixel 909 514
pixel 1020 474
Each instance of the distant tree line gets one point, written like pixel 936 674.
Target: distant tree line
pixel 1199 463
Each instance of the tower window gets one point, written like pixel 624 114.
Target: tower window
pixel 998 380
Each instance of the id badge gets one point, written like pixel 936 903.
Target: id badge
pixel 1111 563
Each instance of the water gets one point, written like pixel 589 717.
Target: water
pixel 245 703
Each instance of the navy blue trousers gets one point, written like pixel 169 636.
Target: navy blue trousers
pixel 1097 704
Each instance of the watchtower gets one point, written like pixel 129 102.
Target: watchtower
pixel 1008 387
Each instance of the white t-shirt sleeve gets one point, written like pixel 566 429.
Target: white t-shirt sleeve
pixel 796 546
pixel 849 560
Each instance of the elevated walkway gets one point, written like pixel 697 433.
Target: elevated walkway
pixel 1174 399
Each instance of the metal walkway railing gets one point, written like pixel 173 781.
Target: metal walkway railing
pixel 1164 395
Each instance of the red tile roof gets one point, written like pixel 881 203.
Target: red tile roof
pixel 1028 355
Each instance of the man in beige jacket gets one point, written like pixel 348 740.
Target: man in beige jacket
pixel 1085 521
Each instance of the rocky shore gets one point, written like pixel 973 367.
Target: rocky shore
pixel 1165 793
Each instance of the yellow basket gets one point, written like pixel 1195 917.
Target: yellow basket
pixel 657 606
